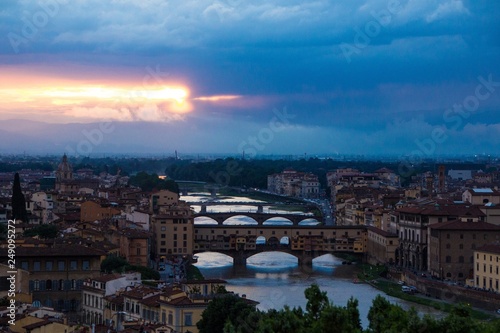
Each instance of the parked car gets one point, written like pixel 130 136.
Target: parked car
pixel 406 289
pixel 413 289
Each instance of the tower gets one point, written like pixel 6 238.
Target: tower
pixel 441 179
pixel 64 172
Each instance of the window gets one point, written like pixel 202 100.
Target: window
pixel 73 265
pixel 85 265
pixel 24 265
pixel 60 265
pixel 36 285
pixel 170 318
pixel 48 265
pixel 175 236
pixel 162 236
pixel 448 259
pixel 138 251
pixel 461 259
pixel 188 319
pixel 461 246
pixel 461 236
pixel 448 236
pixel 36 266
pixel 448 246
pixel 48 284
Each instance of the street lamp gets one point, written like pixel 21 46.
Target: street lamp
pixel 119 326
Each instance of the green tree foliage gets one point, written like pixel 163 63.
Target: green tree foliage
pixel 227 315
pixel 118 264
pixel 228 312
pixel 113 264
pixel 44 231
pixel 316 301
pixel 150 182
pixel 18 201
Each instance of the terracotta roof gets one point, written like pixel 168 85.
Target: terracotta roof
pixel 152 301
pixel 459 225
pixel 106 278
pixel 38 324
pixel 381 232
pixel 444 210
pixel 490 248
pixel 139 292
pixel 62 250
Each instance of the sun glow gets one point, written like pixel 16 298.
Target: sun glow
pixel 84 101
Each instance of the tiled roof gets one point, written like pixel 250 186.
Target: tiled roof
pixel 490 248
pixel 381 232
pixel 56 251
pixel 459 225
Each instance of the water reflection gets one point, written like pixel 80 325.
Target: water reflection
pixel 274 279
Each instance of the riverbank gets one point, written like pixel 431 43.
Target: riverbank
pixel 375 276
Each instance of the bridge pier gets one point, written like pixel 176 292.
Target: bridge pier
pixel 240 259
pixel 260 209
pixel 203 209
pixel 305 259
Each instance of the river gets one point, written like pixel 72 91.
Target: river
pixel 274 279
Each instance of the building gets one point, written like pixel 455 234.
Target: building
pixel 413 252
pixel 381 246
pixel 487 267
pixel 92 211
pixel 173 226
pixel 294 184
pixel 57 273
pixel 452 245
pixel 94 291
pixel 481 196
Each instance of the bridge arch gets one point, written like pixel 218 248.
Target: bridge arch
pixel 285 240
pixel 261 240
pixel 240 219
pixel 309 221
pixel 278 221
pixel 205 220
pixel 273 241
pixel 273 260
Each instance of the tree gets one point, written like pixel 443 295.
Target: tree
pixel 18 201
pixel 117 264
pixel 151 182
pixel 113 264
pixel 44 231
pixel 317 300
pixel 228 312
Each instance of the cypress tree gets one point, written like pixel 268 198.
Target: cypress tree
pixel 18 201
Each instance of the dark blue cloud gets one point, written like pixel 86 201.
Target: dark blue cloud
pixel 425 56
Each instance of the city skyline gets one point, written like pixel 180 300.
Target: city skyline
pixel 417 78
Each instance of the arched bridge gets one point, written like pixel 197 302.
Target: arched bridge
pixel 260 218
pixel 305 242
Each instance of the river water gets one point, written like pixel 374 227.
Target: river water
pixel 274 279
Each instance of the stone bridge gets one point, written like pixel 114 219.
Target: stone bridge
pixel 260 218
pixel 305 258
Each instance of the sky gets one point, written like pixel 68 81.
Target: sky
pixel 415 78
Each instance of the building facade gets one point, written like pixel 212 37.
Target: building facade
pixel 487 267
pixel 452 245
pixel 173 226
